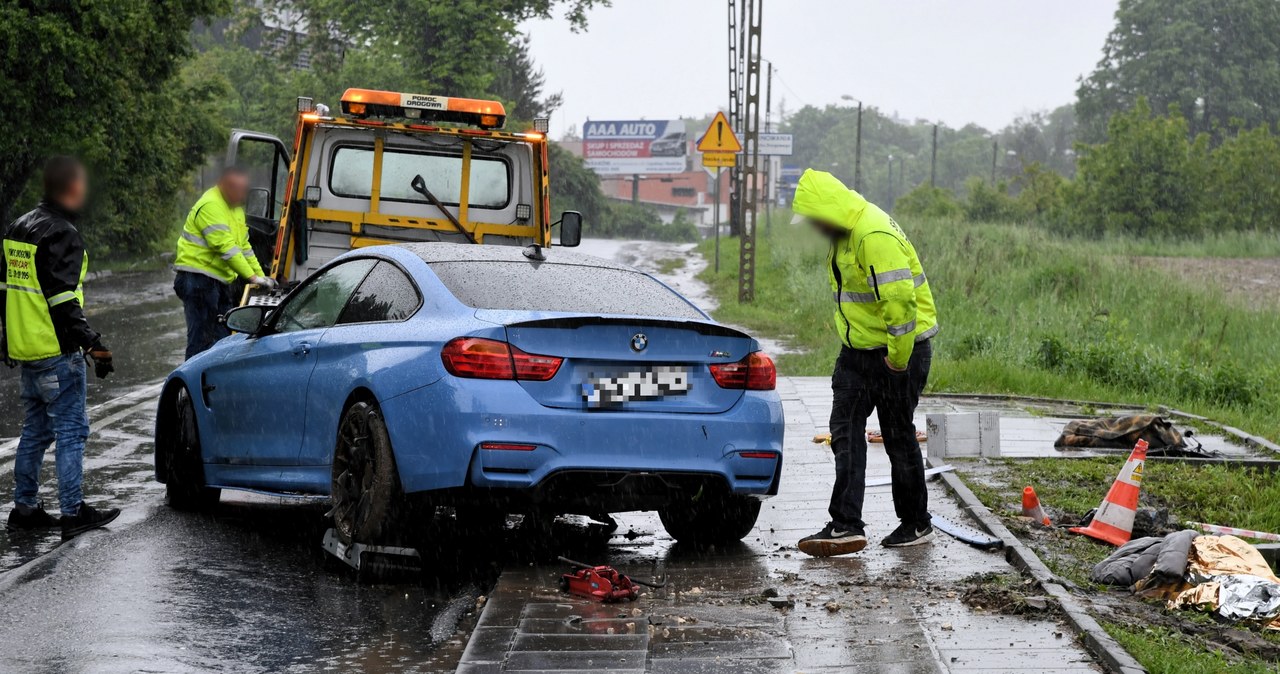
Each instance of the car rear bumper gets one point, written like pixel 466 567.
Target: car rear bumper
pixel 740 449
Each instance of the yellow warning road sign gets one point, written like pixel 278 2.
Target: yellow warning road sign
pixel 719 137
pixel 719 159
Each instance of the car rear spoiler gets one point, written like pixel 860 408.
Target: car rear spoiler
pixel 570 322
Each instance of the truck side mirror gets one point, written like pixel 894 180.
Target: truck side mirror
pixel 257 203
pixel 570 229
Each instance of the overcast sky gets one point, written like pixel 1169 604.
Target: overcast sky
pixel 953 61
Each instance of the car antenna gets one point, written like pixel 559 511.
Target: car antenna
pixel 420 186
pixel 533 251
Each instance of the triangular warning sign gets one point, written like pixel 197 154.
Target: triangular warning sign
pixel 719 137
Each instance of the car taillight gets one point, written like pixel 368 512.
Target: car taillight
pixel 478 358
pixel 755 373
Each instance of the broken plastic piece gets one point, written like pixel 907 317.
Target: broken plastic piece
pixel 966 534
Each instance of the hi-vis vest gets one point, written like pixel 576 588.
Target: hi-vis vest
pixel 882 297
pixel 215 241
pixel 28 325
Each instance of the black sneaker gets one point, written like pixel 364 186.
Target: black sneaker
pixel 833 540
pixel 33 518
pixel 86 518
pixel 909 534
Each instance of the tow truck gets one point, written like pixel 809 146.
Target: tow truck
pixel 394 168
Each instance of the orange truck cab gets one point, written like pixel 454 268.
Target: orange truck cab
pixel 394 168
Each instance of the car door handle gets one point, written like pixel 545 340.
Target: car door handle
pixel 301 348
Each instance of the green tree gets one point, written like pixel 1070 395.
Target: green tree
pixel 1217 60
pixel 574 187
pixel 1147 179
pixel 1039 191
pixel 100 80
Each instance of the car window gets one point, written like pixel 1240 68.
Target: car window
pixel 352 176
pixel 487 284
pixel 319 303
pixel 385 295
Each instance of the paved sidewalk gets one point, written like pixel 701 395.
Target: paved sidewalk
pixel 879 611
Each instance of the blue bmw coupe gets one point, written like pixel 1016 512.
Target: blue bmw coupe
pixel 482 378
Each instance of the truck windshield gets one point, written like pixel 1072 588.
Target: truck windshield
pixel 352 176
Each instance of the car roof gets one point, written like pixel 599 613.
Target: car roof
pixel 470 252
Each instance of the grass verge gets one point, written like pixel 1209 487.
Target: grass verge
pixel 1180 642
pixel 1026 312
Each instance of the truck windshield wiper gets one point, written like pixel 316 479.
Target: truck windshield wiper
pixel 420 186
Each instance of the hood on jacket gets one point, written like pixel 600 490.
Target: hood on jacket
pixel 821 196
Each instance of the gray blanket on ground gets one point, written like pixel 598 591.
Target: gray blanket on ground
pixel 1164 556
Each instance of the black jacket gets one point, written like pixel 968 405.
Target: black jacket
pixel 59 257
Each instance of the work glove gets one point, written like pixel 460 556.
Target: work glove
pixel 264 282
pixel 101 357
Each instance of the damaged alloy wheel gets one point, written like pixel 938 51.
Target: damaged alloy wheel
pixel 364 475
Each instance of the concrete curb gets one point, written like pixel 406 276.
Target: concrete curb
pixel 1113 656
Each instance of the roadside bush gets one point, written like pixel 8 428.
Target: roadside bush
pixel 1147 179
pixel 986 203
pixel 624 220
pixel 1244 182
pixel 1040 191
pixel 929 202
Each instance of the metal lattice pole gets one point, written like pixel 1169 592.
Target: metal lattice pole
pixel 735 105
pixel 750 195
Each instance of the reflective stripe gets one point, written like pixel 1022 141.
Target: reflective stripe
pixel 900 330
pixel 250 253
pixel 62 297
pixel 25 290
pixel 194 238
pixel 920 279
pixel 214 228
pixel 889 277
pixel 235 250
pixel 928 333
pixel 855 297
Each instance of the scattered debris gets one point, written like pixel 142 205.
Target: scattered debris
pixel 782 603
pixel 1232 531
pixel 832 606
pixel 966 534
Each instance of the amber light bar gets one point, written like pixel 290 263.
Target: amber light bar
pixel 372 103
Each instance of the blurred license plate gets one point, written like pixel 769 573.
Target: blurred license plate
pixel 654 384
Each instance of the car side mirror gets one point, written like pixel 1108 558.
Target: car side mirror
pixel 570 229
pixel 257 203
pixel 247 320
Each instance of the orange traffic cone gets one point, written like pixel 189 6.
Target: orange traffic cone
pixel 1113 521
pixel 1031 507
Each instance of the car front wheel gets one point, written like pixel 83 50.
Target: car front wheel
pixel 184 469
pixel 711 520
pixel 365 485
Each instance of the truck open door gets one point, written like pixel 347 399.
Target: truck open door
pixel 266 158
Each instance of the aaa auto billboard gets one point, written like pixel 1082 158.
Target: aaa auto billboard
pixel 635 146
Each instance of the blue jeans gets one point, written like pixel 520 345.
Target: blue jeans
pixel 204 299
pixel 53 394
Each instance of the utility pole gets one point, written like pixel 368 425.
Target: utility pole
pixel 933 163
pixel 889 202
pixel 735 103
pixel 635 188
pixel 768 165
pixel 719 173
pixel 749 196
pixel 857 154
pixel 995 147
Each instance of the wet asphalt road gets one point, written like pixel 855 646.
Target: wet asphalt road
pixel 246 589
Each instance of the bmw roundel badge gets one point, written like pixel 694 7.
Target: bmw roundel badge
pixel 639 342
